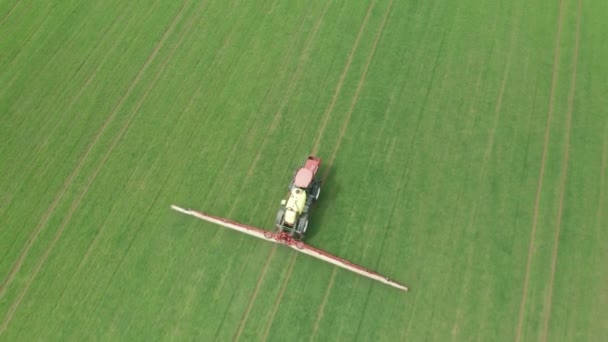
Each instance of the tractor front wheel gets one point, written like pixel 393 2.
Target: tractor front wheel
pixel 317 193
pixel 315 190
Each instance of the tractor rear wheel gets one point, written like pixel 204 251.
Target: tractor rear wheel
pixel 280 214
pixel 303 224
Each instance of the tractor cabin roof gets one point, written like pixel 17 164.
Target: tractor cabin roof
pixel 303 178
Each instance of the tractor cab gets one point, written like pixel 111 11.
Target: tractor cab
pixel 295 205
pixel 303 178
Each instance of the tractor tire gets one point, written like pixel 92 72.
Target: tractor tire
pixel 280 214
pixel 303 224
pixel 298 237
pixel 318 192
pixel 315 191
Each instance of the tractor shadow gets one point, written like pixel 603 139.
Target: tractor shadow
pixel 329 192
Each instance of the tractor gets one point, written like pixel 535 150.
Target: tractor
pixel 304 190
pixel 292 221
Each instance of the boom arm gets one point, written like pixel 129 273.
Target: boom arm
pixel 256 232
pixel 296 245
pixel 345 264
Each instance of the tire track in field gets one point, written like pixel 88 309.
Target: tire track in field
pixel 471 250
pixel 513 40
pixel 99 232
pixel 8 14
pixel 402 184
pixel 427 93
pixel 27 40
pixel 75 204
pixel 231 154
pixel 292 262
pixel 301 62
pixel 186 30
pixel 249 125
pixel 197 92
pixel 188 302
pixel 334 271
pixel 56 200
pixel 467 129
pixel 229 160
pixel 273 126
pixel 467 273
pixel 237 143
pixel 256 159
pixel 332 103
pixel 276 78
pixel 123 257
pixel 419 115
pixel 254 295
pixel 556 58
pixel 411 144
pixel 412 315
pixel 321 311
pixel 600 200
pixel 251 121
pixel 50 62
pixel 342 133
pixel 415 136
pixel 74 99
pixel 167 143
pixel 43 221
pixel 355 99
pixel 187 107
pixel 549 298
pixel 217 58
pixel 292 81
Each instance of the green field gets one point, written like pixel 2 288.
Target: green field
pixel 464 146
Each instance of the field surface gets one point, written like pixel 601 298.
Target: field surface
pixel 464 146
